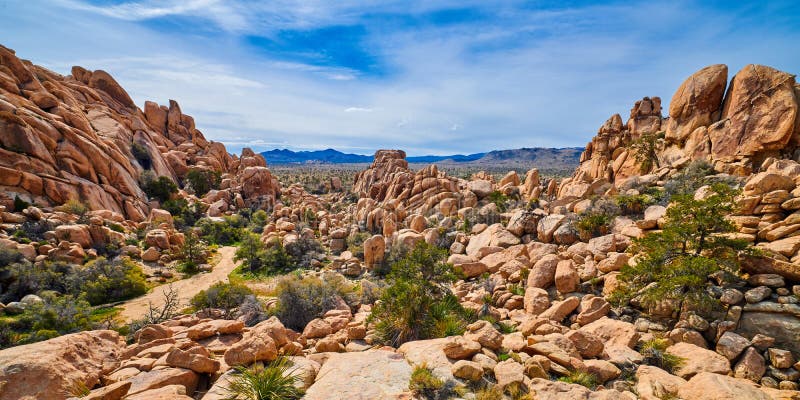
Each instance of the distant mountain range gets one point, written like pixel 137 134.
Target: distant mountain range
pixel 568 157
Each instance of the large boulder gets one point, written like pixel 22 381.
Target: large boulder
pixel 374 374
pixel 46 370
pixel 710 386
pixel 696 102
pixel 758 114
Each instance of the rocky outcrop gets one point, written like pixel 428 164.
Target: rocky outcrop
pixel 735 130
pixel 81 137
pixel 50 369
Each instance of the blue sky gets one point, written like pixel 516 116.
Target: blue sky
pixel 430 77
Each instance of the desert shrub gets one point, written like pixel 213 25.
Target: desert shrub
pixel 644 150
pixel 157 314
pixel 303 251
pixel 679 258
pixel 301 299
pixel 142 155
pixel 184 214
pixel 225 232
pixel 33 231
pixel 582 378
pixel 634 204
pixel 193 252
pixel 257 221
pixel 593 224
pixel 56 315
pixel 20 204
pixel 223 296
pixel 21 277
pixel 75 207
pixel 161 188
pixel 691 178
pixel 253 253
pixel 654 353
pixel 202 181
pixel 499 199
pixel 489 393
pixel 418 303
pixel 103 281
pixel 424 383
pixel 275 381
pixel 355 243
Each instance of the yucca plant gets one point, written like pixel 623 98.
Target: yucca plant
pixel 275 381
pixel 654 353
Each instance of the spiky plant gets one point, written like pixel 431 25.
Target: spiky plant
pixel 275 381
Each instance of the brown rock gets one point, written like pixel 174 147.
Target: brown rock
pixel 711 386
pixel 251 349
pixel 196 359
pixel 484 333
pixel 460 348
pixel 47 370
pixel 160 378
pixel 697 102
pixel 697 359
pixel 751 366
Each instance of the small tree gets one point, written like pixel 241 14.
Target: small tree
pixel 202 181
pixel 252 252
pixel 194 251
pixel 161 188
pixel 674 264
pixel 644 150
pixel 418 303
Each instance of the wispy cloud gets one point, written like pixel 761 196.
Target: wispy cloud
pixel 435 76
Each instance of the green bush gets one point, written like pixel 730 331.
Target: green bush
pixel 301 299
pixel 644 150
pixel 654 353
pixel 102 281
pixel 499 199
pixel 184 214
pixel 302 251
pixel 424 383
pixel 20 277
pixel 193 252
pixel 355 243
pixel 56 315
pixel 224 233
pixel 257 221
pixel 582 378
pixel 418 303
pixel 592 224
pixel 679 258
pixel 634 204
pixel 202 181
pixel 223 296
pixel 275 381
pixel 161 188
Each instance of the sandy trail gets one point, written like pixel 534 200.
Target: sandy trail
pixel 186 288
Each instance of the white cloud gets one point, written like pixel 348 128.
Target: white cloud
pixel 358 109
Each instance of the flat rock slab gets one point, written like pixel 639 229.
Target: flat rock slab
pixel 368 375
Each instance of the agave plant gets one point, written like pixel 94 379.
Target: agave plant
pixel 275 381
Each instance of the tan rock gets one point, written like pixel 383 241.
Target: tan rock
pixel 653 383
pixel 468 370
pixel 460 348
pixel 251 349
pixel 47 370
pixel 484 333
pixel 697 102
pixel 711 386
pixel 697 360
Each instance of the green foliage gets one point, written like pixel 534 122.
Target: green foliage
pixel 161 188
pixel 102 281
pixel 689 180
pixel 254 254
pixel 275 381
pixel 193 252
pixel 418 303
pixel 301 299
pixel 654 353
pixel 184 214
pixel 355 243
pixel 586 379
pixel 593 224
pixel 499 199
pixel 74 207
pixel 223 296
pixel 634 204
pixel 257 221
pixel 142 155
pixel 202 181
pixel 423 383
pixel 489 393
pixel 56 315
pixel 690 247
pixel 302 251
pixel 20 204
pixel 644 150
pixel 223 233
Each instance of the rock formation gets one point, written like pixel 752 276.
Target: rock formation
pixel 74 137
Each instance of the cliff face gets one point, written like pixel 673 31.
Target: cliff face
pixel 735 129
pixel 73 137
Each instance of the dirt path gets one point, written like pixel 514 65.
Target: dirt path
pixel 186 288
